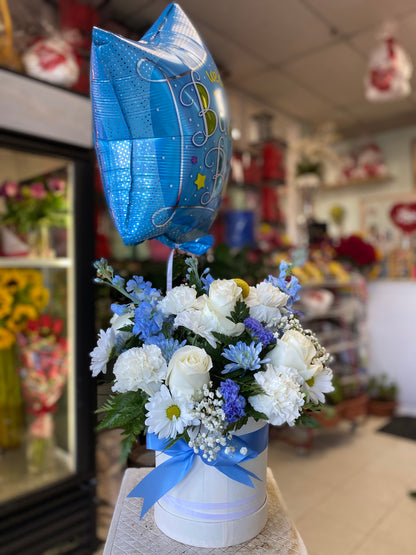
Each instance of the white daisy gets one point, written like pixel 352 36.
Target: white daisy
pixel 101 353
pixel 319 384
pixel 168 415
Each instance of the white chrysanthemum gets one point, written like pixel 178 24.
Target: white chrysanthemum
pixel 101 353
pixel 168 415
pixel 296 351
pixel 265 302
pixel 282 400
pixel 177 300
pixel 319 384
pixel 140 368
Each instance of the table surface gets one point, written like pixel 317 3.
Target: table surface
pixel 130 536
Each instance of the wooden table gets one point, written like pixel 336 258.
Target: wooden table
pixel 130 536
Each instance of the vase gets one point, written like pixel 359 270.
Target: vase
pixel 39 240
pixel 40 443
pixel 209 509
pixel 11 402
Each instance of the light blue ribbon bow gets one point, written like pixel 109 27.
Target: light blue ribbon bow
pixel 165 476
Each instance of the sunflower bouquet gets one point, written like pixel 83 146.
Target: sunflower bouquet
pixel 196 363
pixel 22 298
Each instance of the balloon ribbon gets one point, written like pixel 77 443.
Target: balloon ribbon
pixel 165 476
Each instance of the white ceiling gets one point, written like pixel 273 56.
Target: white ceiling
pixel 305 58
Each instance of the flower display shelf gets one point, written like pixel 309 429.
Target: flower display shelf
pixel 26 262
pixel 356 183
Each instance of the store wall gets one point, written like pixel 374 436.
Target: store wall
pixel 397 148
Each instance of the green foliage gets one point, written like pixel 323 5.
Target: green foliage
pixel 193 275
pixel 381 388
pixel 240 313
pixel 126 411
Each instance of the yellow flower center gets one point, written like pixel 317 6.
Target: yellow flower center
pixel 311 381
pixel 172 411
pixel 244 286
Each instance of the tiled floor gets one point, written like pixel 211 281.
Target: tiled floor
pixel 348 495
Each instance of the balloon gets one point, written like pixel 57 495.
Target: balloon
pixel 404 216
pixel 161 132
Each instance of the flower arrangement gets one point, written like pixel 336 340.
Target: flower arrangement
pixel 32 204
pixel 22 298
pixel 356 251
pixel 315 150
pixel 198 362
pixel 43 371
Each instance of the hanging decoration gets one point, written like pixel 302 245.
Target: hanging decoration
pixel 389 70
pixel 161 131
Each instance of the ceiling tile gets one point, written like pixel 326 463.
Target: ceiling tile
pixel 274 31
pixel 352 16
pixel 335 73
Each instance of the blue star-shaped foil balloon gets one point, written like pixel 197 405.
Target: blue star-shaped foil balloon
pixel 161 132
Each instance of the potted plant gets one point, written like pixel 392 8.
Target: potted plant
pixel 382 396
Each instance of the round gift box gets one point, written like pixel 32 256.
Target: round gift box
pixel 208 509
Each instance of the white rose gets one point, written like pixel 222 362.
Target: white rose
pixel 223 294
pixel 282 400
pixel 140 368
pixel 188 371
pixel 198 322
pixel 179 299
pixel 220 322
pixel 296 351
pixel 265 301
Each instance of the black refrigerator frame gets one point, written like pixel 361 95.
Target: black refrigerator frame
pixel 60 518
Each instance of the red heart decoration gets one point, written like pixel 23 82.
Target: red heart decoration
pixel 404 216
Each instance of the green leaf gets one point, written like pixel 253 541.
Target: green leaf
pixel 240 313
pixel 255 413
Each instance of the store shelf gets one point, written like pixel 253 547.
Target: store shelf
pixel 28 262
pixel 356 183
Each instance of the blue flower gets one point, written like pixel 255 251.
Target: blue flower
pixel 234 403
pixel 289 286
pixel 120 309
pixel 167 346
pixel 206 279
pixel 243 356
pixel 142 290
pixel 118 281
pixel 147 321
pixel 263 335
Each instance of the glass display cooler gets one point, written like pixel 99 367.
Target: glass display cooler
pixel 47 397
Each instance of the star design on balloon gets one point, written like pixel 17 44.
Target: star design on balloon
pixel 200 181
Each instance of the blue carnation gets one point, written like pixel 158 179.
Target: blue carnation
pixel 242 356
pixel 234 403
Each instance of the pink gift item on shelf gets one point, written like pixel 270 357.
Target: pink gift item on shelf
pixel 43 372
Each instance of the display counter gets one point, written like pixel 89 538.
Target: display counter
pixel 391 324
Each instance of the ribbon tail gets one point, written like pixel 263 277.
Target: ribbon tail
pixel 238 473
pixel 162 479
